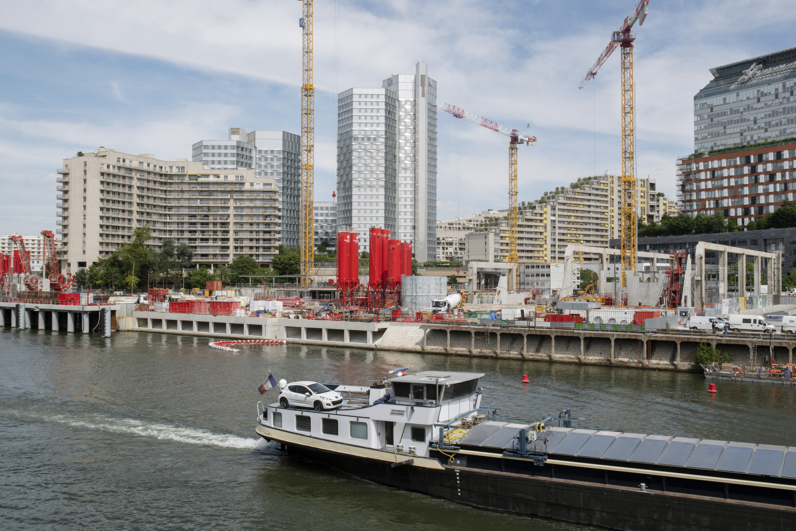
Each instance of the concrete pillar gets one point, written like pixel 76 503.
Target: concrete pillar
pixel 723 274
pixel 524 345
pixel 54 320
pixel 757 276
pixel 552 346
pixel 70 322
pixel 195 326
pixel 28 322
pixel 245 329
pixel 613 349
pixel 582 347
pixel 644 360
pixel 324 335
pixel 742 275
pixel 346 339
pixel 369 337
pixel 472 341
pixel 677 354
pixel 498 342
pixel 448 339
pixel 2 317
pixel 790 355
pixel 85 322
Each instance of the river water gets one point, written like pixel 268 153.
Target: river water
pixel 153 431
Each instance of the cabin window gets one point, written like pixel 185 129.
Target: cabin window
pixel 359 430
pixel 277 420
pixel 329 426
pixel 303 423
pixel 401 389
pixel 747 321
pixel 418 434
pixel 460 389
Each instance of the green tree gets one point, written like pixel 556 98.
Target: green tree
pixel 452 280
pixel 131 281
pixel 587 276
pixel 732 225
pixel 783 217
pixel 762 223
pixel 287 261
pixel 81 278
pixel 224 274
pixel 134 257
pixel 415 266
pixel 198 278
pixel 243 265
pixel 709 354
pixel 751 225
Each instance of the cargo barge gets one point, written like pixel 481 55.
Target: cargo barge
pixel 429 433
pixel 772 374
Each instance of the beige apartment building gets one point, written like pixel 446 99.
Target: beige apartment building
pixel 587 213
pixel 221 214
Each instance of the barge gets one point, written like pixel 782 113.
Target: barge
pixel 429 433
pixel 772 374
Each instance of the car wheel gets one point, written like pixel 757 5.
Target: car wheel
pixel 283 403
pixel 693 328
pixel 318 406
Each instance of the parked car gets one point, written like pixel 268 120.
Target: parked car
pixel 309 395
pixel 749 323
pixel 696 322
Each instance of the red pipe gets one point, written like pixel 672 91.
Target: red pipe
pixel 385 255
pixel 406 259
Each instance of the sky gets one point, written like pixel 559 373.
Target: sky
pixel 156 77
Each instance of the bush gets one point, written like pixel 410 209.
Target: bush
pixel 709 354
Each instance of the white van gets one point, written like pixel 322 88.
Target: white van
pixel 701 323
pixel 789 324
pixel 750 323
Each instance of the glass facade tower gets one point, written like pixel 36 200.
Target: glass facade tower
pixel 387 161
pixel 747 102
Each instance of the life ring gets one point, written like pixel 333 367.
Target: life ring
pixel 736 371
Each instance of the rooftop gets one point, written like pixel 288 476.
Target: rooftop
pixel 752 72
pixel 432 376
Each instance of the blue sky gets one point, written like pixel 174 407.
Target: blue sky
pixel 155 77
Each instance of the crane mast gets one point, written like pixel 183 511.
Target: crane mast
pixel 307 236
pixel 627 203
pixel 515 139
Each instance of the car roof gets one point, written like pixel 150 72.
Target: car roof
pixel 306 382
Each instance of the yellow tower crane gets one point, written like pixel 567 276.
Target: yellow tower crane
pixel 514 215
pixel 307 237
pixel 629 230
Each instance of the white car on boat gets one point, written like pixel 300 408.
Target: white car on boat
pixel 308 395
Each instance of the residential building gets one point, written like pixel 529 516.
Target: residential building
pixel 221 214
pixel 326 224
pixel 542 278
pixel 451 244
pixel 387 160
pixel 747 102
pixel 272 154
pixel 33 244
pixel 744 184
pixel 480 247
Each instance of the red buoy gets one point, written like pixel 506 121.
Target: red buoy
pixel 712 388
pixel 525 378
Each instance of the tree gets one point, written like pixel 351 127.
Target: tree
pixel 414 267
pixel 452 280
pixel 710 354
pixel 783 217
pixel 751 226
pixel 287 261
pixel 364 255
pixel 199 277
pixel 587 276
pixel 81 278
pixel 224 274
pixel 135 257
pixel 243 265
pixel 131 281
pixel 322 249
pixel 732 225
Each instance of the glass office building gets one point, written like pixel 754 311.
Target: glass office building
pixel 387 160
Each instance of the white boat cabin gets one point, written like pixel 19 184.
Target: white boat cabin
pixel 397 416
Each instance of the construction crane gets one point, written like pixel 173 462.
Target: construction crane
pixel 624 39
pixel 32 282
pixel 307 148
pixel 515 139
pixel 58 281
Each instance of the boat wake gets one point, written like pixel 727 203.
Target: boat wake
pixel 154 430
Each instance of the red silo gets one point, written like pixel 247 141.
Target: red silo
pixel 343 257
pixel 406 259
pixel 394 267
pixel 385 256
pixel 353 264
pixel 375 257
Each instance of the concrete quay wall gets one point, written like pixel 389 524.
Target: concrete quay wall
pixel 675 351
pixel 56 317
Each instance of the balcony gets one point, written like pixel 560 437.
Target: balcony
pixel 63 171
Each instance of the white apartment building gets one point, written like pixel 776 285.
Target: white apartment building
pixel 387 160
pixel 451 235
pixel 326 224
pixel 272 154
pixel 33 244
pixel 221 214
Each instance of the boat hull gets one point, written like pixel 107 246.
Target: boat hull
pixel 609 506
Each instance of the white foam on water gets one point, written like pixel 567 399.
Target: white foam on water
pixel 157 431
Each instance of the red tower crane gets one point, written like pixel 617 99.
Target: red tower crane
pixel 515 139
pixel 32 282
pixel 58 281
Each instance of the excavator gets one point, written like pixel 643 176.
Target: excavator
pixel 584 295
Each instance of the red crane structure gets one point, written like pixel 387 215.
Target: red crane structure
pixel 32 282
pixel 58 281
pixel 515 139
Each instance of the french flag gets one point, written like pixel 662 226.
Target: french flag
pixel 399 372
pixel 269 383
